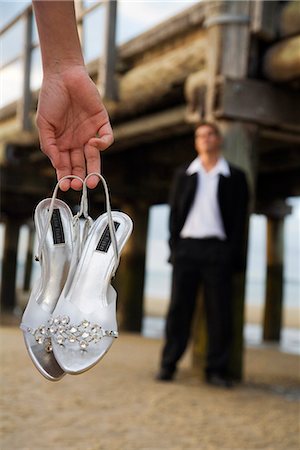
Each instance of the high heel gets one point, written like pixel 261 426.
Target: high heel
pixel 84 320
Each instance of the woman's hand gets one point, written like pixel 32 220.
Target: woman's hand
pixel 73 124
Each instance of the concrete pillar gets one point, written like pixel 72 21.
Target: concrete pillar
pixel 130 276
pixel 9 268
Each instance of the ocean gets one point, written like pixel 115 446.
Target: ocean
pixel 158 271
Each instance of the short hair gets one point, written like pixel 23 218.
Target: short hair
pixel 212 125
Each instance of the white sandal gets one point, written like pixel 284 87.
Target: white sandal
pixel 58 254
pixel 84 323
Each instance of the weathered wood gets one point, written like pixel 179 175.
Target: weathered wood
pixel 239 148
pixel 264 19
pixel 274 210
pixel 278 185
pixel 29 259
pixel 260 102
pixel 25 102
pixel 155 82
pixel 151 127
pixel 227 26
pixel 239 143
pixel 106 72
pixel 274 280
pixel 131 273
pixel 278 136
pixel 9 268
pixel 195 94
pixel 199 335
pixel 282 60
pixel 290 19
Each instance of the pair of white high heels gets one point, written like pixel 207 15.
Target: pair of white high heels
pixel 70 319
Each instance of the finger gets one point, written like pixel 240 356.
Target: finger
pixel 78 167
pixel 92 156
pixel 63 170
pixel 48 146
pixel 104 137
pixel 59 160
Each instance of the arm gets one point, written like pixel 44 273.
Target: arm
pixel 72 121
pixel 240 224
pixel 173 217
pixel 60 45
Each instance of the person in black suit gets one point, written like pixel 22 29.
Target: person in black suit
pixel 209 204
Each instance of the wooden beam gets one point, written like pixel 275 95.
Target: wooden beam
pixel 107 69
pixel 24 106
pixel 276 185
pixel 264 19
pixel 288 159
pixel 159 82
pixel 279 136
pixel 261 103
pixel 151 128
pixel 274 210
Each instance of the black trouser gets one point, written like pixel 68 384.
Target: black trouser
pixel 197 261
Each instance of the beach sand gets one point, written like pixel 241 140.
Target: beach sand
pixel 117 405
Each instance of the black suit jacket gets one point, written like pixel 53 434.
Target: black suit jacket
pixel 233 198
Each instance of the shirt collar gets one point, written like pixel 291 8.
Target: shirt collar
pixel 221 168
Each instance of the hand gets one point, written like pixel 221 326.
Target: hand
pixel 73 125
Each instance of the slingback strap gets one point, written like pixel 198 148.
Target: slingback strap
pixel 109 215
pixel 51 208
pixel 84 212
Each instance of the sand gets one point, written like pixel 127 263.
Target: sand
pixel 117 405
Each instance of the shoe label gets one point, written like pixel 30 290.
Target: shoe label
pixel 105 240
pixel 57 228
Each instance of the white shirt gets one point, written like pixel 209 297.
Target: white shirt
pixel 204 218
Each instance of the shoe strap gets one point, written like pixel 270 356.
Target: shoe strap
pixel 109 215
pixel 51 208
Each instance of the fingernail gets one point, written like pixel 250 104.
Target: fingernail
pixel 92 182
pixel 65 185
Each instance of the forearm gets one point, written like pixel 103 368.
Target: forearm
pixel 59 40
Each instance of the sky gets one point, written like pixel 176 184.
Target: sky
pixel 134 17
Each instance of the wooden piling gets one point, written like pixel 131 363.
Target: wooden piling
pixel 274 281
pixel 131 273
pixel 29 260
pixel 239 150
pixel 9 268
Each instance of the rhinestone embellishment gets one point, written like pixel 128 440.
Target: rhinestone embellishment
pixel 60 330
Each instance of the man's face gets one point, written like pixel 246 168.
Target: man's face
pixel 207 141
